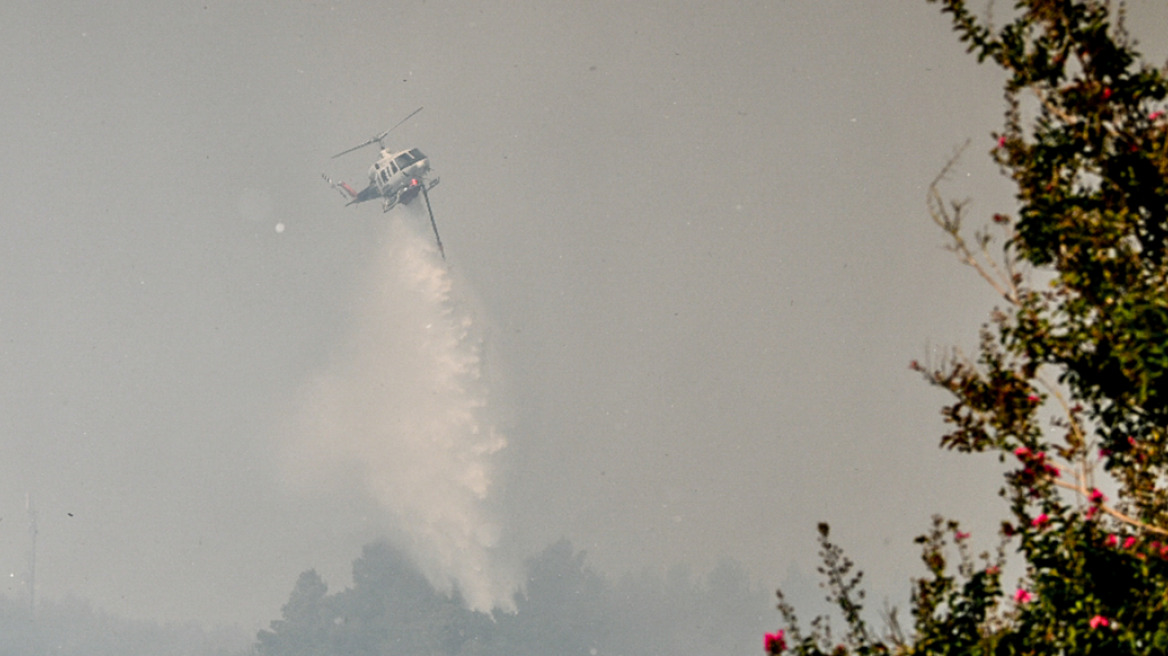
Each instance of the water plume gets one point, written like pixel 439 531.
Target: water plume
pixel 403 409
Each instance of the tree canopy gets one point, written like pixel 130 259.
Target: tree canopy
pixel 565 607
pixel 1069 384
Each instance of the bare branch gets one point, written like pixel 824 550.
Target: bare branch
pixel 950 221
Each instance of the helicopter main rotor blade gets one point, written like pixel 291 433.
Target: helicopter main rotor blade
pixel 378 138
pixel 382 135
pixel 346 152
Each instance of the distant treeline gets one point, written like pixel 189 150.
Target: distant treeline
pixel 74 628
pixel 566 609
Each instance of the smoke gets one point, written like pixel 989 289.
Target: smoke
pixel 403 410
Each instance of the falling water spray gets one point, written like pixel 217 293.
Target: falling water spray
pixel 404 408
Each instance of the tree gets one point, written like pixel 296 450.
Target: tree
pixel 563 607
pixel 1070 382
pixel 390 609
pixel 307 620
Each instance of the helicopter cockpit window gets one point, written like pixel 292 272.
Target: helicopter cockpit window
pixel 384 175
pixel 405 159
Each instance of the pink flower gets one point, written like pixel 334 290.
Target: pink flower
pixel 1129 541
pixel 1098 621
pixel 1112 540
pixel 774 643
pixel 961 536
pixel 1155 115
pixel 1097 496
pixel 1106 93
pixel 1040 520
pixel 1002 141
pixel 1023 596
pixel 1033 398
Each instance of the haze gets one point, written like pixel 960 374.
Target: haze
pixel 688 264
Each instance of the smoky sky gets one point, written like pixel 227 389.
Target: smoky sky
pixel 691 240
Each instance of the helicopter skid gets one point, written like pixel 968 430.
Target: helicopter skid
pixel 403 198
pixel 407 195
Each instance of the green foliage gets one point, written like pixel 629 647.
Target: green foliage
pixel 1070 382
pixel 843 588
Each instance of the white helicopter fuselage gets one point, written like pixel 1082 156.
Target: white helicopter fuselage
pixel 396 172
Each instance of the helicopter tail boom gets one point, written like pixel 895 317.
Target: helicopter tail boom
pixel 350 194
pixel 343 189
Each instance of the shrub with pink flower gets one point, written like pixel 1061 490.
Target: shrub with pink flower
pixel 1068 384
pixel 1098 621
pixel 774 643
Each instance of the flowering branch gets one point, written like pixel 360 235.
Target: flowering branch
pixel 1126 519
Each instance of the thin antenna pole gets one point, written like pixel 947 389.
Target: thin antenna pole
pixel 32 548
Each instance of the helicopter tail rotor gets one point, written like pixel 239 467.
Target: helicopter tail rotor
pixel 346 192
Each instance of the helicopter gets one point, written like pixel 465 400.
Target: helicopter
pixel 396 178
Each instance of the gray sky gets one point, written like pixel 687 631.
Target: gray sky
pixel 692 238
